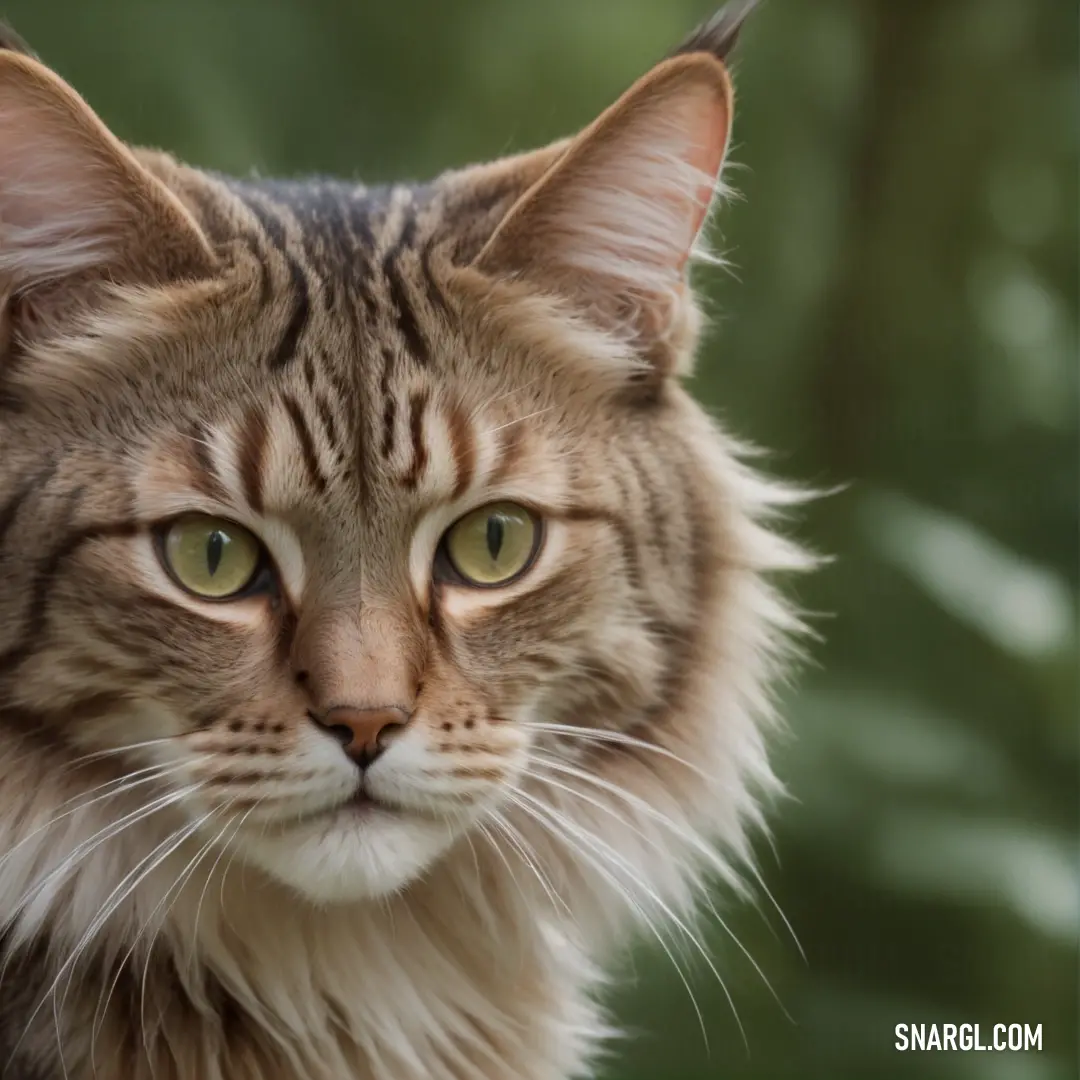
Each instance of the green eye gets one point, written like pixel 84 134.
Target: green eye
pixel 209 556
pixel 493 544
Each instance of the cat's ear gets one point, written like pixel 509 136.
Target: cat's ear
pixel 610 227
pixel 478 197
pixel 77 210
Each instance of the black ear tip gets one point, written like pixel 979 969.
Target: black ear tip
pixel 719 34
pixel 11 42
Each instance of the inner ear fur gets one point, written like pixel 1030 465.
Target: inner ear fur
pixel 77 210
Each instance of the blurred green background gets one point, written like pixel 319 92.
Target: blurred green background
pixel 902 320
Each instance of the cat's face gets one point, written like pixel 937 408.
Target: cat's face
pixel 331 509
pixel 350 529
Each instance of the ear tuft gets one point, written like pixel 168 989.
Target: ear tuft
pixel 11 42
pixel 719 35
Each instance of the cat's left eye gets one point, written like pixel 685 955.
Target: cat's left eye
pixel 210 557
pixel 492 545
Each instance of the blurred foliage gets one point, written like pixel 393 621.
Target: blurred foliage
pixel 902 322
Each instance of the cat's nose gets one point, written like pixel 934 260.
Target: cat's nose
pixel 364 733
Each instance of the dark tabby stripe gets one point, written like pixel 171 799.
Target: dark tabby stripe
pixel 301 312
pixel 432 289
pixel 34 624
pixel 286 635
pixel 204 477
pixel 437 623
pixel 399 296
pixel 655 515
pixel 285 350
pixel 624 534
pixel 307 443
pixel 37 723
pixel 266 288
pixel 389 403
pixel 250 451
pixel 417 404
pixel 684 646
pixel 463 447
pixel 326 415
pixel 10 510
pixel 356 216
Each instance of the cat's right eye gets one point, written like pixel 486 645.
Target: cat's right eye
pixel 210 557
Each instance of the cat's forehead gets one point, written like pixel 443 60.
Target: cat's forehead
pixel 339 392
pixel 328 379
pixel 351 284
pixel 340 232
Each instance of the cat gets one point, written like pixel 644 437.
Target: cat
pixel 386 635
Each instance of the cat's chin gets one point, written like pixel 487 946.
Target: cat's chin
pixel 351 854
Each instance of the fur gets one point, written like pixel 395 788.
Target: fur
pixel 195 880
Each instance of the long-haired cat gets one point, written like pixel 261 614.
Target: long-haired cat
pixel 385 634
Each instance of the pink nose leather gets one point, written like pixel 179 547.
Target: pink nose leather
pixel 363 732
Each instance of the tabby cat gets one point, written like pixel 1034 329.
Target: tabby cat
pixel 385 633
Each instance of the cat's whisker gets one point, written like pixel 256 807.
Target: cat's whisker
pixel 181 881
pixel 619 738
pixel 95 1026
pixel 472 851
pixel 124 784
pixel 482 828
pixel 197 441
pixel 521 846
pixel 186 834
pixel 780 911
pixel 633 873
pixel 686 835
pixel 135 877
pixel 558 829
pixel 519 420
pixel 94 842
pixel 86 847
pixel 613 857
pixel 102 1009
pixel 232 858
pixel 238 824
pixel 97 755
pixel 147 770
pixel 481 901
pixel 488 402
pixel 110 905
pixel 653 842
pixel 711 856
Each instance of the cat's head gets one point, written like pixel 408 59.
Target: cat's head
pixel 337 520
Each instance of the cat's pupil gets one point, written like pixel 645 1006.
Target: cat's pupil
pixel 495 532
pixel 215 545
